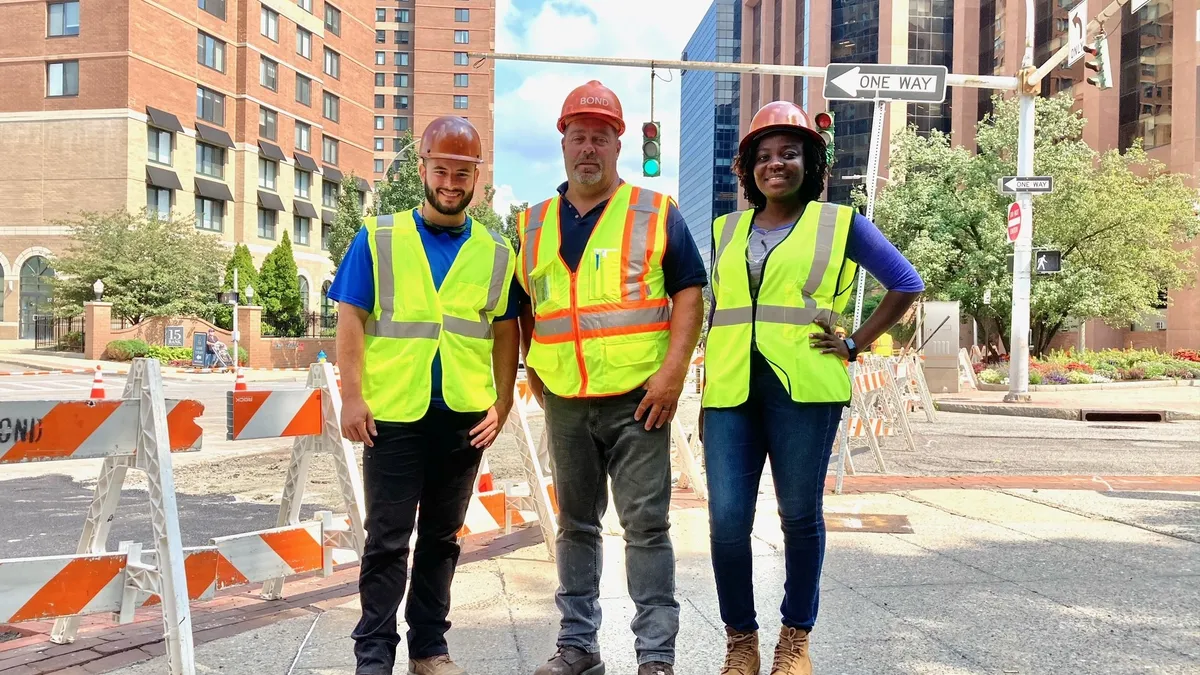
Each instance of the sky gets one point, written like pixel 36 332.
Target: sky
pixel 529 96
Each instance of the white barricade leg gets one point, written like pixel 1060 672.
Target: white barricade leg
pixel 859 407
pixel 95 528
pixel 893 398
pixel 844 434
pixel 154 457
pixel 923 386
pixel 691 468
pixel 535 475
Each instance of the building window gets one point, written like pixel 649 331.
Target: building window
pixel 267 123
pixel 462 15
pixel 158 202
pixel 380 15
pixel 460 79
pixel 304 282
pixel 400 58
pixel 210 214
pixel 210 52
pixel 268 171
pixel 305 5
pixel 63 19
pixel 402 37
pixel 210 106
pixel 381 37
pixel 380 79
pixel 210 160
pixel 325 230
pixel 462 37
pixel 329 150
pixel 303 182
pixel 62 78
pixel 304 43
pixel 266 223
pixel 214 7
pixel 333 19
pixel 380 58
pixel 268 74
pixel 460 58
pixel 400 123
pixel 403 16
pixel 300 229
pixel 400 80
pixel 379 122
pixel 333 63
pixel 303 90
pixel 158 146
pixel 460 102
pixel 331 105
pixel 268 24
pixel 329 195
pixel 379 166
pixel 400 102
pixel 303 136
pixel 379 100
pixel 379 144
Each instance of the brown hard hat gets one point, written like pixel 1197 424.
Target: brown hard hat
pixel 593 100
pixel 780 116
pixel 452 137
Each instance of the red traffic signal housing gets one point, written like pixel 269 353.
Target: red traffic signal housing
pixel 823 120
pixel 650 130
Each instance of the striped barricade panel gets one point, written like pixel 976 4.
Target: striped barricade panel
pixel 860 427
pixel 268 554
pixel 486 512
pixel 869 381
pixel 33 431
pixel 64 585
pixel 273 414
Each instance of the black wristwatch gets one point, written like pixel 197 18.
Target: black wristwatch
pixel 852 348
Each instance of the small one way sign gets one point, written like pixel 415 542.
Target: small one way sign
pixel 881 82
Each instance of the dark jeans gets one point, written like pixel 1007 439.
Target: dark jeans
pixel 591 440
pixel 429 463
pixel 798 439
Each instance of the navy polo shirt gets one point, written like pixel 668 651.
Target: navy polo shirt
pixel 355 280
pixel 682 265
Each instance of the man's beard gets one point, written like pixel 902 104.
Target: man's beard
pixel 431 196
pixel 588 179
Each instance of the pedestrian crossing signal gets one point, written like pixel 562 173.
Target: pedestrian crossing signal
pixel 651 150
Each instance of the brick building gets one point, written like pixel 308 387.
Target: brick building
pixel 245 112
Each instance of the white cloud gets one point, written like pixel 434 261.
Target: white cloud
pixel 528 153
pixel 503 198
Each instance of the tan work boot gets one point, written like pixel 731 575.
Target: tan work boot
pixel 791 654
pixel 434 665
pixel 741 653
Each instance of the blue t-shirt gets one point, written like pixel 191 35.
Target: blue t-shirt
pixel 355 280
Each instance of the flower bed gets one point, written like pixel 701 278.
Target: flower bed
pixel 1109 365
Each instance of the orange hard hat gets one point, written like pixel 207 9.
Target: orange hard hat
pixel 595 100
pixel 452 137
pixel 780 116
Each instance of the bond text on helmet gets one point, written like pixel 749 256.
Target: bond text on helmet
pixel 594 100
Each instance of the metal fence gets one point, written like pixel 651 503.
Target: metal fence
pixel 315 325
pixel 60 334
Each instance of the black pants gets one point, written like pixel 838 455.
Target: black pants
pixel 429 463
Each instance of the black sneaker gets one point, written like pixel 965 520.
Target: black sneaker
pixel 572 661
pixel 656 668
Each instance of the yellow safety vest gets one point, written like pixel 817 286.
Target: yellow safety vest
pixel 603 329
pixel 805 278
pixel 413 321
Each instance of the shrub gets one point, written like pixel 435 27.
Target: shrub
pixel 71 342
pixel 1077 366
pixel 126 350
pixel 1188 355
pixel 1078 377
pixel 1154 370
pixel 992 376
pixel 1132 374
pixel 1035 377
pixel 1178 373
pixel 167 354
pixel 1097 378
pixel 1056 377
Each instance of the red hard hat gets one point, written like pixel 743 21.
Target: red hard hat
pixel 452 137
pixel 595 100
pixel 780 116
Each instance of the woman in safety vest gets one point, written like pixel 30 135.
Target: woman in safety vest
pixel 783 271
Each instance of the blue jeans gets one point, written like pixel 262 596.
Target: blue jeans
pixel 592 440
pixel 798 439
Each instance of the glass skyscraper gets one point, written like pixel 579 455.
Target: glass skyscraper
pixel 708 123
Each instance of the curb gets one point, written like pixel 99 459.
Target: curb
pixel 1039 412
pixel 67 371
pixel 1101 386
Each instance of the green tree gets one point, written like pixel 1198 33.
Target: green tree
pixel 401 188
pixel 149 266
pixel 510 222
pixel 1119 220
pixel 279 291
pixel 483 213
pixel 243 262
pixel 346 221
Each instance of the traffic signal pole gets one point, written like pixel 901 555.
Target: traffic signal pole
pixel 1018 342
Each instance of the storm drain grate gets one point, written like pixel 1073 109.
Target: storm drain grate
pixel 1123 415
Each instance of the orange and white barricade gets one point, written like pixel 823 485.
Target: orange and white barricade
pixel 909 373
pixel 139 431
pixel 313 417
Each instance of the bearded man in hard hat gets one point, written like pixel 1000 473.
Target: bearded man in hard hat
pixel 614 280
pixel 427 344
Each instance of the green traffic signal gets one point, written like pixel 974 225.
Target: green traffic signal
pixel 651 150
pixel 651 168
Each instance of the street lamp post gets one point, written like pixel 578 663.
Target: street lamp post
pixel 98 289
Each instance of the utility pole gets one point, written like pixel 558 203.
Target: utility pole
pixel 1018 359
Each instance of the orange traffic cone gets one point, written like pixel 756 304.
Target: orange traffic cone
pixel 486 483
pixel 240 383
pixel 97 385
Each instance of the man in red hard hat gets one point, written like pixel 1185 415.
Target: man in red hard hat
pixel 613 281
pixel 427 344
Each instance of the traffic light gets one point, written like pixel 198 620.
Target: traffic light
pixel 824 123
pixel 1099 50
pixel 651 150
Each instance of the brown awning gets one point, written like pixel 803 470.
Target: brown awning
pixel 270 200
pixel 163 178
pixel 327 216
pixel 303 208
pixel 163 120
pixel 211 189
pixel 271 151
pixel 332 174
pixel 213 135
pixel 363 185
pixel 305 162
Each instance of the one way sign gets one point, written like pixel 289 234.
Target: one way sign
pixel 873 82
pixel 1038 185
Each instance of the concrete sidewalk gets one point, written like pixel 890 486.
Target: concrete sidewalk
pixel 1181 401
pixel 1017 581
